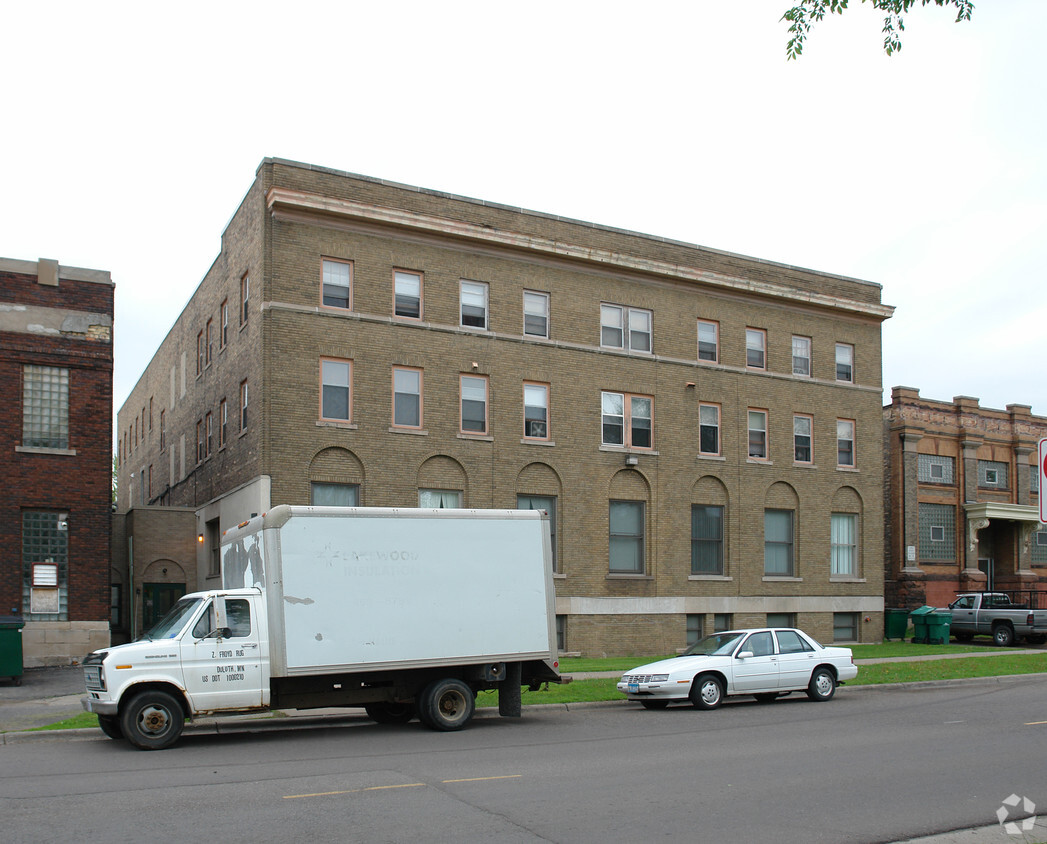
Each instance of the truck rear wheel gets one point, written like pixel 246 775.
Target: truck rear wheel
pixel 388 712
pixel 446 704
pixel 152 720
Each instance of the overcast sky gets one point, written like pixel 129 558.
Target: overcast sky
pixel 129 133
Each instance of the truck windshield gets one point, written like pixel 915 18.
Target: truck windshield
pixel 171 624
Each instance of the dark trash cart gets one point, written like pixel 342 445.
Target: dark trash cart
pixel 11 648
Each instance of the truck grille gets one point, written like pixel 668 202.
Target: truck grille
pixel 93 678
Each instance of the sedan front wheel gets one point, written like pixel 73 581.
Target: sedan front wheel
pixel 707 692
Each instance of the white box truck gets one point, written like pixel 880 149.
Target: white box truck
pixel 404 612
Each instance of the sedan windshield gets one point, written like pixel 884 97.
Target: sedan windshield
pixel 719 644
pixel 171 624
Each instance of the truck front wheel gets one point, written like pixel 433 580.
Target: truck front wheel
pixel 152 720
pixel 446 705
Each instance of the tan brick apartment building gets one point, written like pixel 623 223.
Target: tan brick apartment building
pixel 704 427
pixel 962 499
pixel 56 411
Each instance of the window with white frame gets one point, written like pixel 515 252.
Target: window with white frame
pixel 473 404
pixel 803 439
pixel 536 313
pixel 706 539
pixel 844 362
pixel 802 356
pixel 778 543
pixel 223 335
pixel 45 407
pixel 843 541
pixel 548 504
pixel 407 397
pixel 625 328
pixel 845 443
pixel 407 294
pixel 337 283
pixel 243 406
pixel 245 300
pixel 536 411
pixel 757 434
pixel 627 420
pixel 440 499
pixel 335 378
pixel 626 537
pixel 708 341
pixel 755 348
pixel 474 304
pixel 709 429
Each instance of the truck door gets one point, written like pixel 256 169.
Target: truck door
pixel 222 667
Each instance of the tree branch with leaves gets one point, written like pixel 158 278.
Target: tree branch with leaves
pixel 808 12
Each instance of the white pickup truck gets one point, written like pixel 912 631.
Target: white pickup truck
pixel 993 614
pixel 405 612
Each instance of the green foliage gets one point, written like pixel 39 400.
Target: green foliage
pixel 808 12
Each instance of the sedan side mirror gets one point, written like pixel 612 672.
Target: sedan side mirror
pixel 744 655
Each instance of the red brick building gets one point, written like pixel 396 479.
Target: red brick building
pixel 962 499
pixel 56 399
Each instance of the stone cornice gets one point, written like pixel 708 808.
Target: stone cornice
pixel 285 201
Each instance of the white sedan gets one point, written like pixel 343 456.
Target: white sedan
pixel 764 663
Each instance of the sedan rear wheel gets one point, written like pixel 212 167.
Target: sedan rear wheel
pixel 707 692
pixel 822 685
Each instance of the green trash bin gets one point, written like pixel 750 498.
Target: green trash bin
pixel 11 648
pixel 919 624
pixel 938 624
pixel 895 623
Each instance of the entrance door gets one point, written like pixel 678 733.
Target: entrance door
pixel 988 566
pixel 157 600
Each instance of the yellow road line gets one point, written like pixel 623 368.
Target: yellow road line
pixel 484 779
pixel 1034 723
pixel 404 785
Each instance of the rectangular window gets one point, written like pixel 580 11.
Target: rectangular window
pixel 778 543
pixel 627 420
pixel 407 294
pixel 722 621
pixel 695 624
pixel 214 547
pixel 803 441
pixel 440 499
pixel 45 565
pixel 843 537
pixel 1038 549
pixel 802 356
pixel 163 430
pixel 334 495
pixel 935 469
pixel 755 348
pixel 626 537
pixel 223 423
pixel 208 342
pixel 536 411
pixel 625 328
pixel 992 474
pixel 709 429
pixel 474 404
pixel 706 539
pixel 337 283
pixel 536 314
pixel 845 442
pixel 200 353
pixel 844 362
pixel 199 441
pixel 223 316
pixel 45 407
pixel 758 434
pixel 474 304
pixel 781 619
pixel 335 380
pixel 546 503
pixel 708 341
pixel 845 627
pixel 407 397
pixel 245 298
pixel 208 434
pixel 243 406
pixel 937 534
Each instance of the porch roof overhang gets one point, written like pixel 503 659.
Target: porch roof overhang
pixel 1004 512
